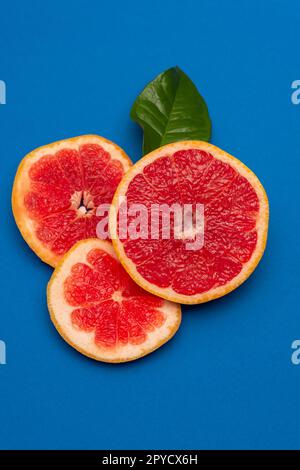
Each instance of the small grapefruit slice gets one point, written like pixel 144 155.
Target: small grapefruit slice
pixel 101 312
pixel 58 188
pixel 235 209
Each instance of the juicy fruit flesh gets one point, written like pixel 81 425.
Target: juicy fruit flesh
pixel 107 302
pixel 231 208
pixel 66 188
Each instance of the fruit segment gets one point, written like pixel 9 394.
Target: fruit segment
pixel 101 312
pixel 234 228
pixel 58 188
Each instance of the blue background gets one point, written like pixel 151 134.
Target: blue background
pixel 226 380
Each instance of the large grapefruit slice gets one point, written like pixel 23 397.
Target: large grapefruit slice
pixel 235 209
pixel 58 188
pixel 101 312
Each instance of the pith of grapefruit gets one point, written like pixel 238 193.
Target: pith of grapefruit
pixel 235 222
pixel 58 188
pixel 99 310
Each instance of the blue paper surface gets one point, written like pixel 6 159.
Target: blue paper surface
pixel 226 380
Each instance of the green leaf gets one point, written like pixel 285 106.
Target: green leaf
pixel 170 109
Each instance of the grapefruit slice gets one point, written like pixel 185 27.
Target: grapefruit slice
pixel 235 209
pixel 101 312
pixel 58 188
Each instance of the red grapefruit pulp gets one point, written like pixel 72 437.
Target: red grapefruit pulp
pixel 58 188
pixel 235 226
pixel 101 312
